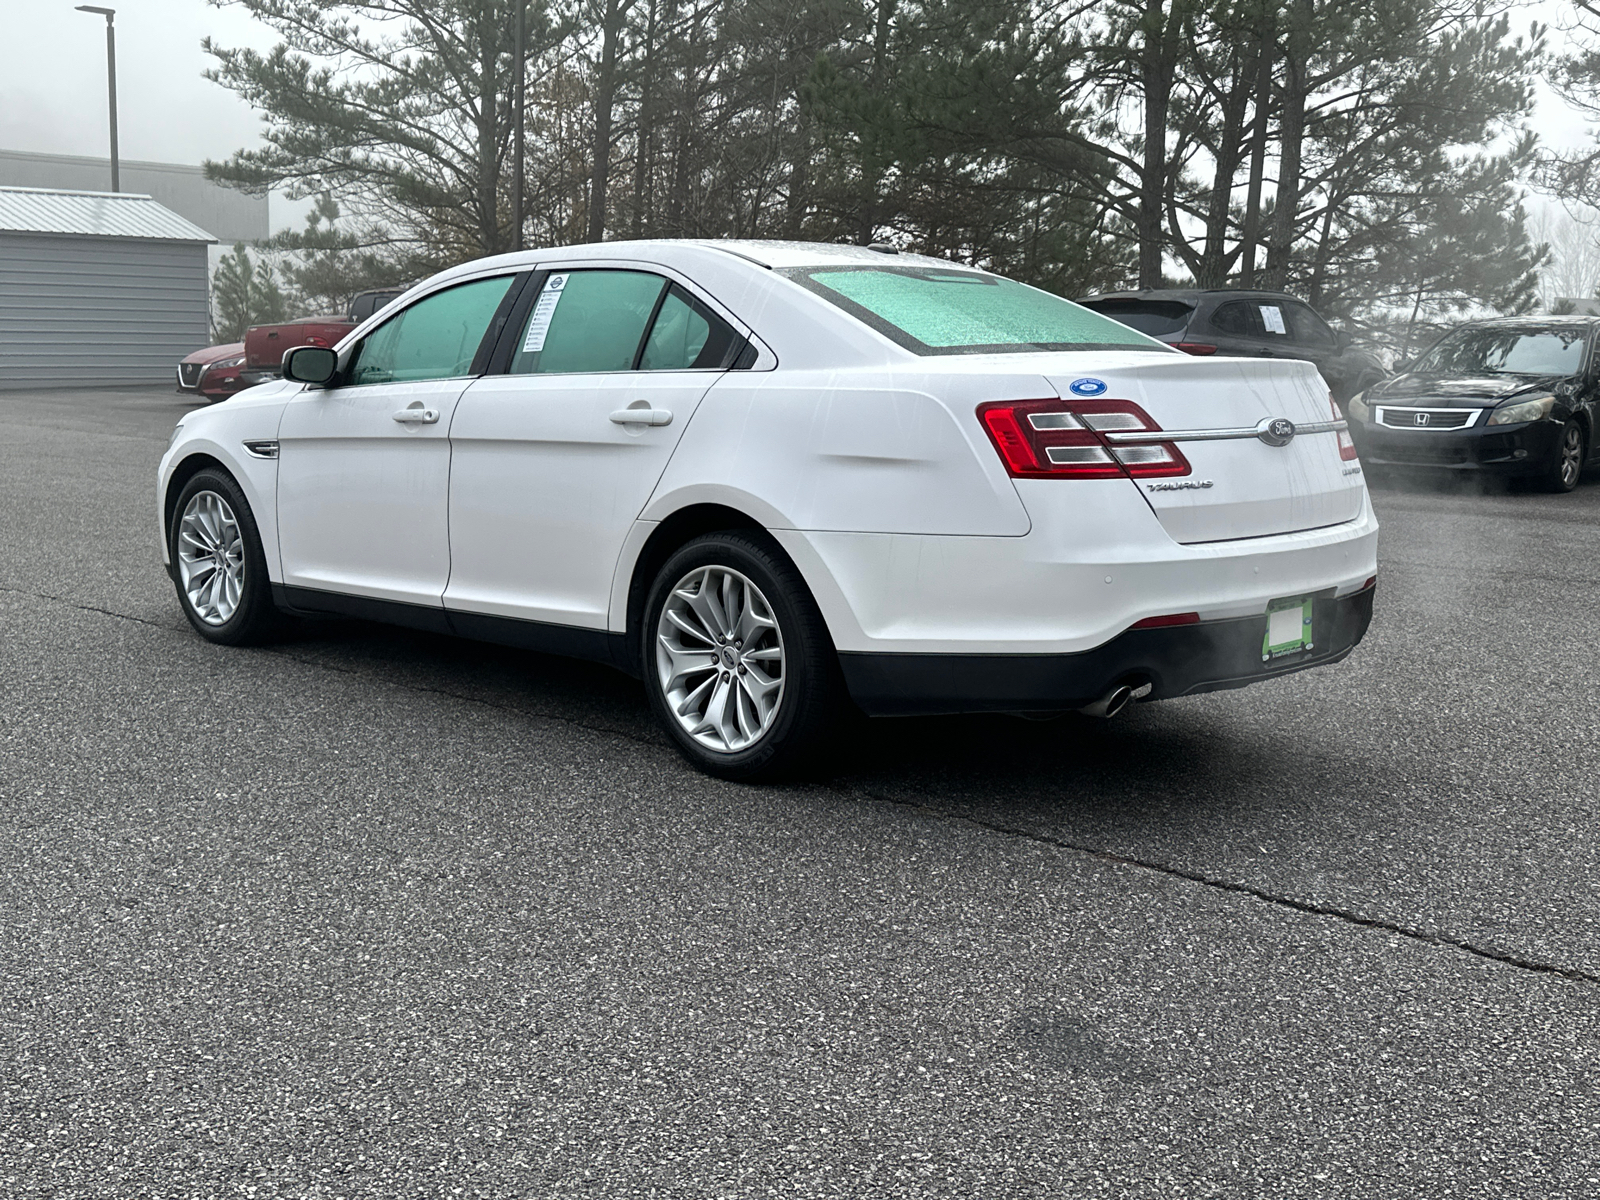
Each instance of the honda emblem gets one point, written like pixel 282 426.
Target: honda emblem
pixel 1422 418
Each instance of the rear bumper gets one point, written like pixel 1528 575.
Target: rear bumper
pixel 1177 660
pixel 1493 449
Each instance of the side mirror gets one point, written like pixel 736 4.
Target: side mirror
pixel 310 364
pixel 1343 341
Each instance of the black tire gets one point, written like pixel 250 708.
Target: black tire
pixel 1566 465
pixel 254 619
pixel 812 695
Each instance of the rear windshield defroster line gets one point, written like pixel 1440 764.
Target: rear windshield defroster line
pixel 931 311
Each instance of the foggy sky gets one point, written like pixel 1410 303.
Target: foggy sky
pixel 53 83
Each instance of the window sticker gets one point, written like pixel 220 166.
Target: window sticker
pixel 1272 318
pixel 543 310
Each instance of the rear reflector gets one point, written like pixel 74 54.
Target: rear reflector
pixel 1061 439
pixel 1170 619
pixel 1372 581
pixel 1199 349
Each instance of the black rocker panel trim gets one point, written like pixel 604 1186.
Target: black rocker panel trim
pixel 596 645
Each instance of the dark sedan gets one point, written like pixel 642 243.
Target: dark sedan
pixel 1515 396
pixel 1248 324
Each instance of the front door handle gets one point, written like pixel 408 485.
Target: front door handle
pixel 642 414
pixel 415 414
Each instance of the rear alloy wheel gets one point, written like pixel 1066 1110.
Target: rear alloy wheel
pixel 1571 450
pixel 736 657
pixel 218 566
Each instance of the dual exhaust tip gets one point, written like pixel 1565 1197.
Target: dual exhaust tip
pixel 1115 700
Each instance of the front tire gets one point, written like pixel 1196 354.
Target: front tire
pixel 737 659
pixel 1571 450
pixel 218 565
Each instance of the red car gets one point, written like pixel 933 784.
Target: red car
pixel 213 372
pixel 265 345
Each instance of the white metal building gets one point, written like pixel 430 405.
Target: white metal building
pixel 97 289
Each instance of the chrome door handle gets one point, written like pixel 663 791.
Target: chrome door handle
pixel 642 416
pixel 416 415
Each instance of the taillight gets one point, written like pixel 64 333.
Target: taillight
pixel 313 340
pixel 1062 439
pixel 1347 445
pixel 1200 349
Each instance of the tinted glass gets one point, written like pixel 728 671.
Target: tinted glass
pixel 1154 317
pixel 686 335
pixel 587 321
pixel 1305 326
pixel 436 338
pixel 1522 351
pixel 1238 318
pixel 932 311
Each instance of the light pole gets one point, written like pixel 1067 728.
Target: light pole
pixel 111 83
pixel 517 86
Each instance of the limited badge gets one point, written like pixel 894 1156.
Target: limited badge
pixel 1087 387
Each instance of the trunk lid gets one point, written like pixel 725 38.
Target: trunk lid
pixel 1238 487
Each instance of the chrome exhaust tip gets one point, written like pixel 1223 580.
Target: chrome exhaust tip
pixel 1110 704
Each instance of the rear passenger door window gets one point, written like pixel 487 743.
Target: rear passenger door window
pixel 687 336
pixel 606 321
pixel 587 321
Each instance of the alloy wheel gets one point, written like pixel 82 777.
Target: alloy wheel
pixel 720 658
pixel 1571 455
pixel 210 554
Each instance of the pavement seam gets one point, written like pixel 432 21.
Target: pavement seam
pixel 1244 889
pixel 1222 885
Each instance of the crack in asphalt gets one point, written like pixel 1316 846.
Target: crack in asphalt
pixel 1245 889
pixel 1233 887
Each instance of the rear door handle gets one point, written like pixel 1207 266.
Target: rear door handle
pixel 417 415
pixel 642 416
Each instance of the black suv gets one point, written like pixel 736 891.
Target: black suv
pixel 1251 324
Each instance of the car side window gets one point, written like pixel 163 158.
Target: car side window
pixel 1238 318
pixel 435 338
pixel 587 321
pixel 687 335
pixel 1307 327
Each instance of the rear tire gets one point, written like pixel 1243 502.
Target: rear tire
pixel 736 658
pixel 217 562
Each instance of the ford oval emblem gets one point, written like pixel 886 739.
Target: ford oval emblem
pixel 1087 387
pixel 1276 431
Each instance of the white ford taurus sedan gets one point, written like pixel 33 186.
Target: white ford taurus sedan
pixel 772 479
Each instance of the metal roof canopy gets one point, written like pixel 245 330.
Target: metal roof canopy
pixel 93 214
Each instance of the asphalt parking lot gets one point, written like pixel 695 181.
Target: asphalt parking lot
pixel 374 913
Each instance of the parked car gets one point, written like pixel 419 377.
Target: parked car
pixel 1513 396
pixel 1248 323
pixel 773 479
pixel 265 345
pixel 213 372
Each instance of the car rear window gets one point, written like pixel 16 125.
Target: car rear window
pixel 932 311
pixel 1153 317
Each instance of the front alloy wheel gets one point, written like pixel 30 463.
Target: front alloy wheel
pixel 217 562
pixel 211 558
pixel 1568 467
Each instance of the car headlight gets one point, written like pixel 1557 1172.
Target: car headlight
pixel 1357 408
pixel 227 362
pixel 1518 411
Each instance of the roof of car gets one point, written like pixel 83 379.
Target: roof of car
pixel 1534 320
pixel 1190 296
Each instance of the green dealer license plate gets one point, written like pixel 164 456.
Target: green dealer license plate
pixel 1288 628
